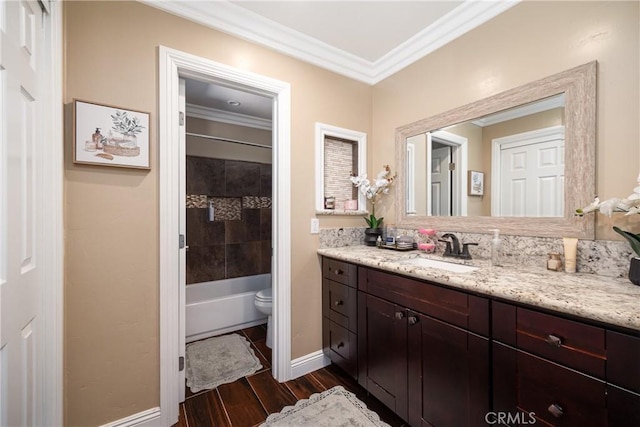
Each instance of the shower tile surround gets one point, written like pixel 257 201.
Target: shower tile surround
pixel 602 257
pixel 238 241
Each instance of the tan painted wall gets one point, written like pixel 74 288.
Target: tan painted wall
pixel 111 221
pixel 111 243
pixel 528 42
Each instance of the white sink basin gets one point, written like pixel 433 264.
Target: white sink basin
pixel 442 265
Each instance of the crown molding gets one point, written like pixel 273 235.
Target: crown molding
pixel 245 24
pixel 207 113
pixel 462 19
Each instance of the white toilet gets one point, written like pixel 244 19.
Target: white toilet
pixel 264 304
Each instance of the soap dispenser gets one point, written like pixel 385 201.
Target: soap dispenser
pixel 495 247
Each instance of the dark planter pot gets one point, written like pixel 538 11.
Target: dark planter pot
pixel 634 271
pixel 371 235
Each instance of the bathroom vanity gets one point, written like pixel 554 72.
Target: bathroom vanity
pixel 445 348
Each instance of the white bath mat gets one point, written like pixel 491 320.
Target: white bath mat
pixel 331 408
pixel 219 360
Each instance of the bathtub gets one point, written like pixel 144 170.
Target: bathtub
pixel 222 306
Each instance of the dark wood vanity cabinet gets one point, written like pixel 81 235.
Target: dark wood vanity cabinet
pixel 441 357
pixel 339 318
pixel 563 372
pixel 417 352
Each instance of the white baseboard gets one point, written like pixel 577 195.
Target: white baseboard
pixel 148 418
pixel 309 363
pixel 299 367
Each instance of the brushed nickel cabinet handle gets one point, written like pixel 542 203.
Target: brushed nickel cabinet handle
pixel 338 303
pixel 340 345
pixel 338 272
pixel 413 320
pixel 555 410
pixel 399 315
pixel 553 340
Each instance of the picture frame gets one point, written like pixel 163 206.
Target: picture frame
pixel 108 135
pixel 475 183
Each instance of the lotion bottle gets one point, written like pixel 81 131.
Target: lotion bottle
pixel 496 244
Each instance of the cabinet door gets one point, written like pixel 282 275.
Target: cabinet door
pixel 526 387
pixel 382 351
pixel 623 407
pixel 448 374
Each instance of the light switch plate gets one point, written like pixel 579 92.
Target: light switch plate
pixel 315 226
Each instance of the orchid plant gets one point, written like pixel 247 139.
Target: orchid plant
pixel 374 190
pixel 630 205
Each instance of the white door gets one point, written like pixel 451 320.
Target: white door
pixel 532 179
pixel 21 360
pixel 183 232
pixel 440 181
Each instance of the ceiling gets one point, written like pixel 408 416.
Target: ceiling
pixel 363 40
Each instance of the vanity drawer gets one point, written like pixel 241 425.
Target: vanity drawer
pixel 341 346
pixel 570 343
pixel 560 396
pixel 340 271
pixel 455 307
pixel 339 304
pixel 623 361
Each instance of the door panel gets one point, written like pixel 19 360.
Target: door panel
pixel 448 374
pixel 440 182
pixel 382 351
pixel 20 281
pixel 532 176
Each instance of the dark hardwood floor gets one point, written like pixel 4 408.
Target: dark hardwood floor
pixel 248 401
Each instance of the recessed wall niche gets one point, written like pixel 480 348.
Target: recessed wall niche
pixel 339 153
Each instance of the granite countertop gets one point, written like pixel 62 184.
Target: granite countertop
pixel 606 299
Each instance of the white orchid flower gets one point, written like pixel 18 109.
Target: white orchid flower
pixel 592 207
pixel 633 210
pixel 607 207
pixel 382 174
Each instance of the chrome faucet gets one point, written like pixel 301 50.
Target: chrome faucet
pixel 453 247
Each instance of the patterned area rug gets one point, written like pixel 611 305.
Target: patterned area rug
pixel 332 408
pixel 219 360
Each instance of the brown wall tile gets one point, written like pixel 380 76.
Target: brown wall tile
pixel 243 259
pixel 205 263
pixel 202 232
pixel 205 176
pixel 242 178
pixel 265 179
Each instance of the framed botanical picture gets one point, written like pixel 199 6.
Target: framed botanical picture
pixel 110 136
pixel 476 183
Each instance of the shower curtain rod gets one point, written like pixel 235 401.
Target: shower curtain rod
pixel 235 141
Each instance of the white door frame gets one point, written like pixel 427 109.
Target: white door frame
pixel 459 157
pixel 174 64
pixel 525 138
pixel 52 236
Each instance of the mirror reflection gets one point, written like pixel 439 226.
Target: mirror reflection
pixel 508 164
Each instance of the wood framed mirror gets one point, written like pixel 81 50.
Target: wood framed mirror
pixel 576 88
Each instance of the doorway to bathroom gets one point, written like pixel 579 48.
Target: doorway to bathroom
pixel 228 207
pixel 173 66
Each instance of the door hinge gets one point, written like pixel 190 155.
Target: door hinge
pixel 181 363
pixel 181 241
pixel 181 118
pixel 452 166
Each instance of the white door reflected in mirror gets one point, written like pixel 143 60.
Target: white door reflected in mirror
pixel 518 182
